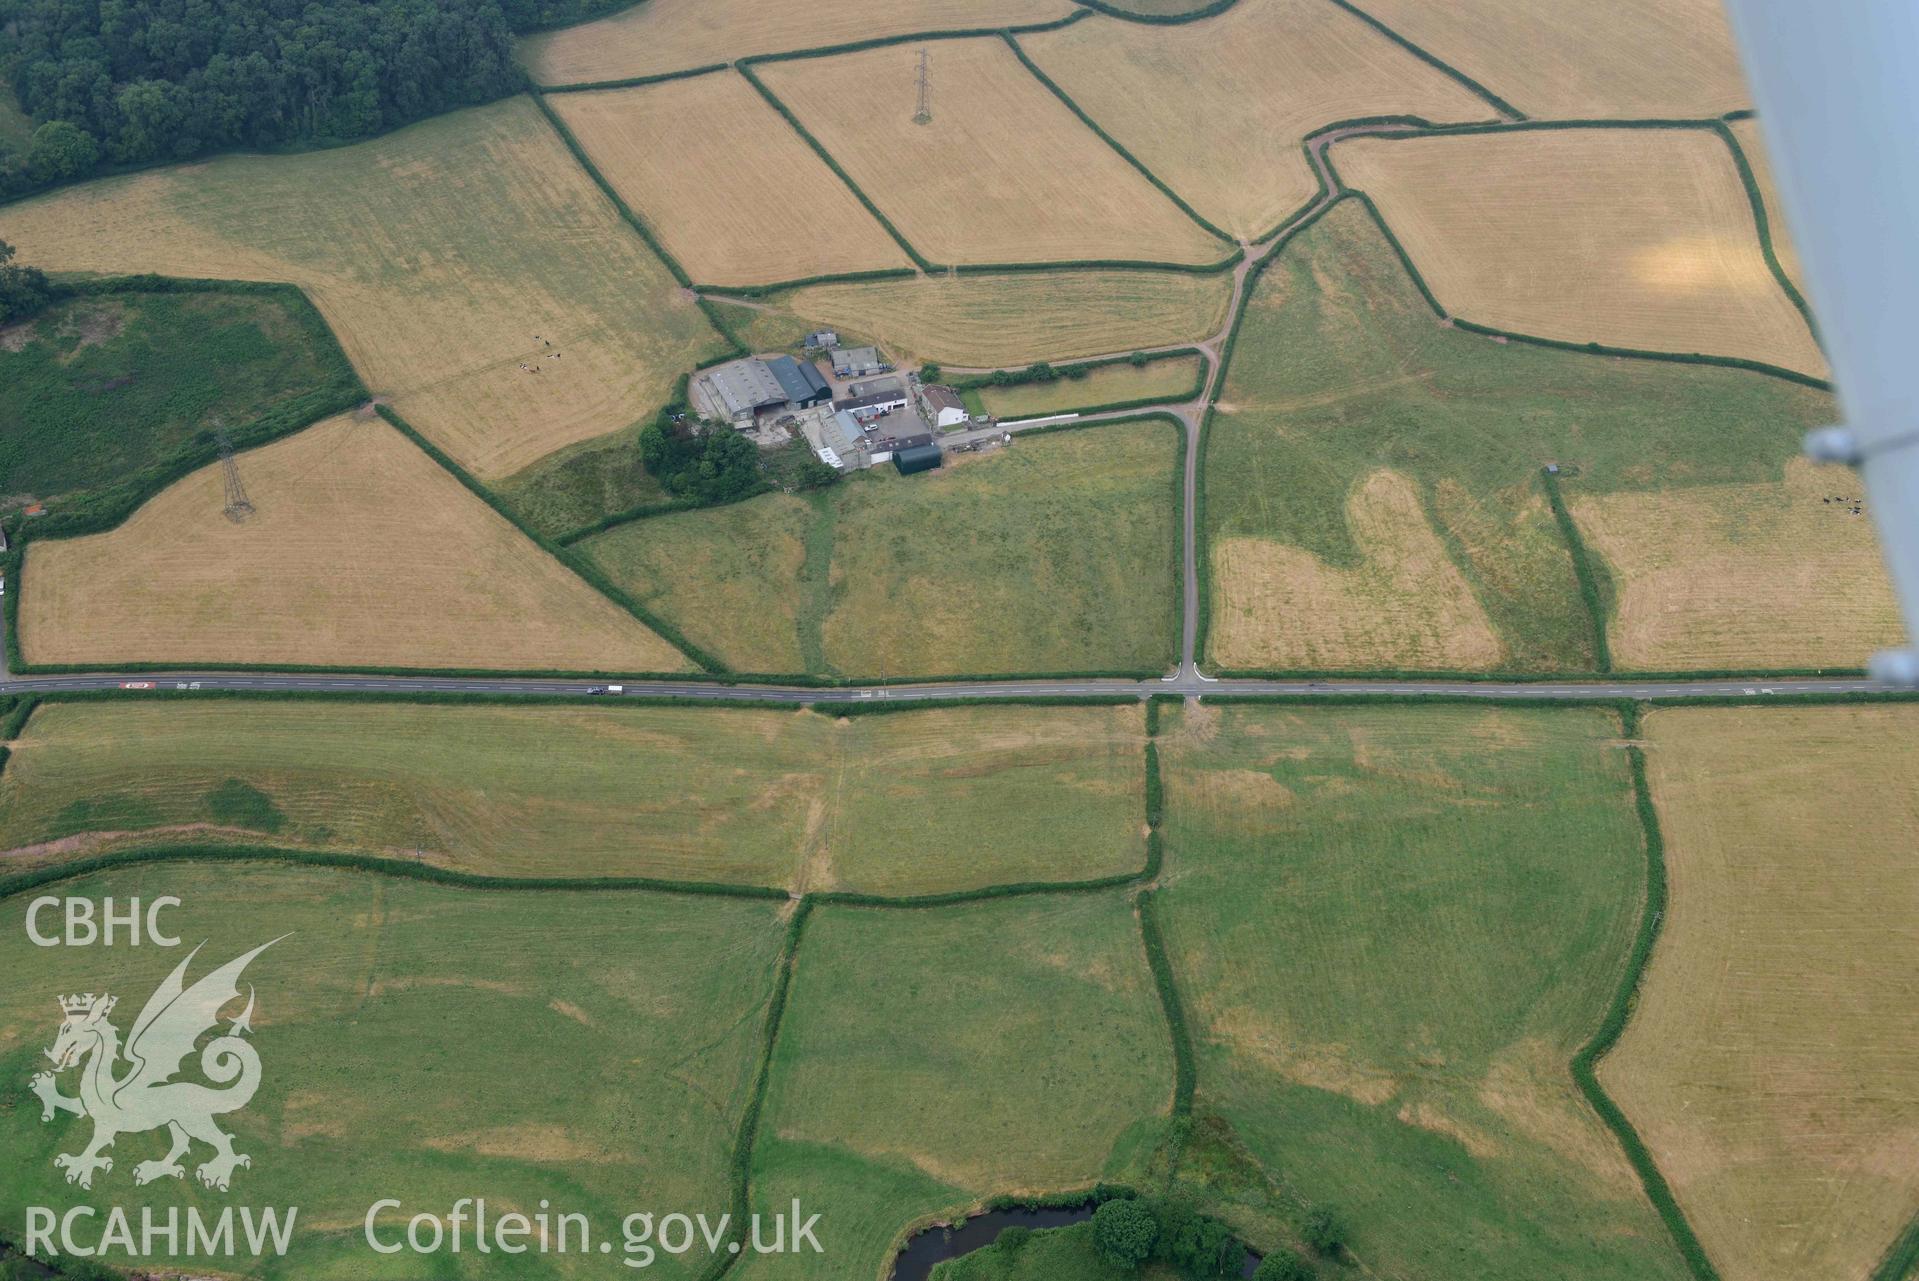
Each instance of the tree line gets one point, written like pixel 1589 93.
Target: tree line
pixel 130 82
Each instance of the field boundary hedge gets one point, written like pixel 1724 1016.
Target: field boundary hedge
pixel 637 223
pixel 1762 222
pixel 1185 1068
pixel 1113 10
pixel 773 100
pixel 1606 1035
pixel 1582 568
pixel 944 33
pixel 983 382
pixel 1897 1262
pixel 754 292
pixel 1432 60
pixel 1295 223
pixel 399 869
pixel 105 509
pixel 1561 344
pixel 108 507
pixel 630 82
pixel 585 570
pixel 1100 264
pixel 740 1162
pixel 1099 130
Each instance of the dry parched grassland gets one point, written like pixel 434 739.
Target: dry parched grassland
pixel 1392 927
pixel 1752 142
pixel 1561 58
pixel 929 1059
pixel 911 803
pixel 1743 576
pixel 1056 554
pixel 675 35
pixel 730 189
pixel 1769 1062
pixel 1005 172
pixel 445 256
pixel 1631 238
pixel 1405 602
pixel 988 321
pixel 1217 108
pixel 420 1041
pixel 361 550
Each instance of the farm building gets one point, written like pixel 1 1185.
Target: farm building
pixel 875 387
pixel 822 339
pixel 801 381
pixel 740 389
pixel 857 362
pixel 916 453
pixel 872 406
pixel 943 407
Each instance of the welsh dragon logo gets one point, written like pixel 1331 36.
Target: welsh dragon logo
pixel 145 1096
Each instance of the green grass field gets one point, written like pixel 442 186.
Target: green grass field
pixel 100 388
pixel 1392 928
pixel 1054 555
pixel 929 1059
pixel 910 803
pixel 621 1033
pixel 1163 380
pixel 1341 374
pixel 583 483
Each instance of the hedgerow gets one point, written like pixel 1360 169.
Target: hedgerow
pixel 773 100
pixel 580 565
pixel 20 882
pixel 1109 139
pixel 1582 569
pixel 1762 222
pixel 1432 60
pixel 634 82
pixel 1584 1063
pixel 1185 1078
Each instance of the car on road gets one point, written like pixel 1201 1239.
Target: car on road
pixel 607 689
pixel 136 684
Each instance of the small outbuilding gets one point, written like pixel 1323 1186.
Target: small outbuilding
pixel 917 458
pixel 857 362
pixel 822 339
pixel 916 453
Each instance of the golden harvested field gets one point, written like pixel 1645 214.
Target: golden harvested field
pixel 1165 380
pixel 1769 1063
pixel 1742 576
pixel 676 35
pixel 1217 108
pixel 1004 173
pixel 1753 143
pixel 1405 605
pixel 1563 58
pixel 444 256
pixel 361 550
pixel 1633 238
pixel 1021 317
pixel 693 158
pixel 909 803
